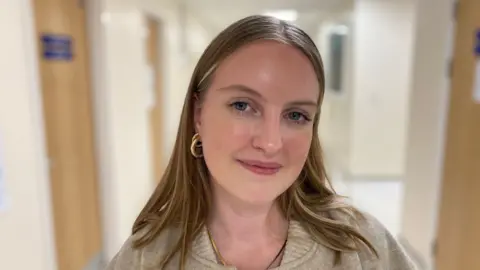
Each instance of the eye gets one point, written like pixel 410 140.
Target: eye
pixel 243 108
pixel 298 117
pixel 240 106
pixel 295 116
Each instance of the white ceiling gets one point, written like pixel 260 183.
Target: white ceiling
pixel 217 14
pixel 251 5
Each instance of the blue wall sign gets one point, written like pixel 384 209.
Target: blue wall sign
pixel 57 47
pixel 477 43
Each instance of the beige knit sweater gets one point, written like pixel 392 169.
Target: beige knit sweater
pixel 301 253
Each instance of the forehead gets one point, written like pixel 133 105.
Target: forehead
pixel 274 69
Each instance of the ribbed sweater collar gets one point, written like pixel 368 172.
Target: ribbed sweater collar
pixel 300 246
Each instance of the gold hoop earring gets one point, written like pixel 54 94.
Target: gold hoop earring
pixel 195 146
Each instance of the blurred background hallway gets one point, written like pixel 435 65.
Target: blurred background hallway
pixel 91 93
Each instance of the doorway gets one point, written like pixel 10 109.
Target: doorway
pixel 459 216
pixel 67 104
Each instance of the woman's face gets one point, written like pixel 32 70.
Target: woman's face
pixel 256 120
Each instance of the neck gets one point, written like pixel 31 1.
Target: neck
pixel 239 221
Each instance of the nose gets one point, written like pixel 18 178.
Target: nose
pixel 269 138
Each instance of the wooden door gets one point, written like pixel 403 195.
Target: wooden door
pixel 156 122
pixel 458 242
pixel 65 83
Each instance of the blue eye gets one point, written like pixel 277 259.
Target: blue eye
pixel 295 116
pixel 298 117
pixel 240 106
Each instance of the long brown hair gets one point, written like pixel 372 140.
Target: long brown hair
pixel 182 198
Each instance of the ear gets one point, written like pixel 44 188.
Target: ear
pixel 197 112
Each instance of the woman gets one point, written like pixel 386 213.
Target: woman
pixel 246 187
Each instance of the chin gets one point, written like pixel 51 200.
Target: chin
pixel 257 190
pixel 256 197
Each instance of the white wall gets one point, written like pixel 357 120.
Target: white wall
pixel 118 36
pixel 122 99
pixel 26 235
pixel 382 59
pixel 184 41
pixel 335 123
pixel 121 116
pixel 430 92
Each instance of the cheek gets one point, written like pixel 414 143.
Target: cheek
pixel 297 147
pixel 222 133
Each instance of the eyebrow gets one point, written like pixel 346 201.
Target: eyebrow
pixel 253 92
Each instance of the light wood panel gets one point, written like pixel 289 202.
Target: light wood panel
pixel 68 119
pixel 156 116
pixel 458 243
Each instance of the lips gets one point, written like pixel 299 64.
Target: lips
pixel 261 168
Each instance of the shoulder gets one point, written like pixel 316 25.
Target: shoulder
pixel 391 255
pixel 130 257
